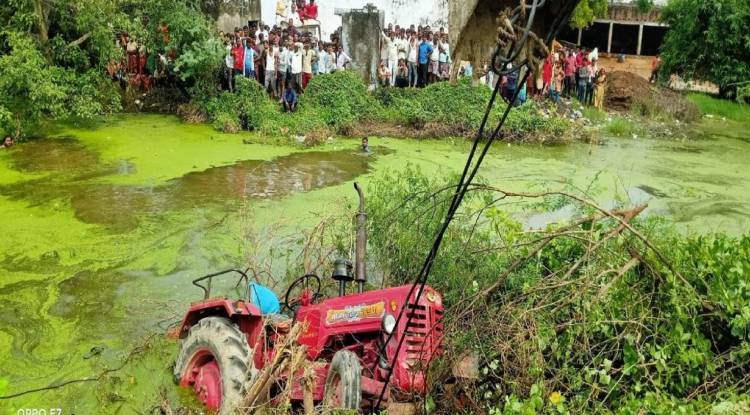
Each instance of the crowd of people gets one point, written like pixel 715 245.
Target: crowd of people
pixel 567 73
pixel 282 59
pixel 140 66
pixel 413 56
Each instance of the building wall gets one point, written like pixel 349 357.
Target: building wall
pixel 360 38
pixel 236 13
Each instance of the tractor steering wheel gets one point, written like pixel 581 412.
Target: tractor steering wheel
pixel 305 283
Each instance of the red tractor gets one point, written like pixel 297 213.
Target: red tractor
pixel 226 342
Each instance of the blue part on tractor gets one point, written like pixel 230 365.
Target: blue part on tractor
pixel 265 299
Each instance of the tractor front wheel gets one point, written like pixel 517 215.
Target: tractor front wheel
pixel 343 384
pixel 216 361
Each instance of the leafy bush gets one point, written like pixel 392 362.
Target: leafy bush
pixel 707 40
pixel 340 98
pixel 336 102
pixel 562 328
pixel 31 90
pixel 248 107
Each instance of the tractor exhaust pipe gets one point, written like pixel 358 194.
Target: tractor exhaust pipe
pixel 360 270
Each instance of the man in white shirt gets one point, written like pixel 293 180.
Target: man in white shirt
pixel 272 58
pixel 296 66
pixel 229 66
pixel 444 59
pixel 285 57
pixel 308 56
pixel 392 61
pixel 435 60
pixel 342 60
pixel 402 45
pixel 412 52
pixel 330 60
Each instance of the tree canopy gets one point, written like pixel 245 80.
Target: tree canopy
pixel 708 40
pixel 54 53
pixel 586 11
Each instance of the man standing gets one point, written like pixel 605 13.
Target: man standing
pixel 296 66
pixel 308 57
pixel 392 55
pixel 311 10
pixel 425 50
pixel 434 60
pixel 271 55
pixel 342 60
pixel 412 59
pixel 570 75
pixel 238 52
pixel 249 55
pixel 444 59
pixel 655 64
pixel 229 66
pixel 285 58
pixel 330 59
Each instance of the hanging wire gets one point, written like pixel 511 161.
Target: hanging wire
pixel 501 65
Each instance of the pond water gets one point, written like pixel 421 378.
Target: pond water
pixel 104 227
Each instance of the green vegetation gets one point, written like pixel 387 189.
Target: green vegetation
pixel 621 127
pixel 338 102
pixel 54 54
pixel 707 40
pixel 587 11
pixel 581 317
pixel 721 107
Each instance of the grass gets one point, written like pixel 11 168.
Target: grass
pixel 621 127
pixel 594 114
pixel 721 107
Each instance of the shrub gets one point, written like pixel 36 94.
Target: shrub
pixel 571 330
pixel 340 98
pixel 247 108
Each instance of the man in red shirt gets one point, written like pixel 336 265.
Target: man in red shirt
pixel 311 10
pixel 570 74
pixel 238 52
pixel 655 64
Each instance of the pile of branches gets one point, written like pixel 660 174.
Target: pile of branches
pixel 603 311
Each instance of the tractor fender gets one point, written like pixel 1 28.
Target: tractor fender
pixel 245 315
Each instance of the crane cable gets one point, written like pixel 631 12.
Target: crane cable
pixel 501 65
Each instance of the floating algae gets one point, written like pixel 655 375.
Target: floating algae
pixel 104 227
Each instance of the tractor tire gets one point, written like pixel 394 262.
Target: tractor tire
pixel 216 342
pixel 343 383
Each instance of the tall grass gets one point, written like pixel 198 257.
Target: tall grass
pixel 621 127
pixel 721 107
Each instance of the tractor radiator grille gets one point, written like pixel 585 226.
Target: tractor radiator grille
pixel 424 332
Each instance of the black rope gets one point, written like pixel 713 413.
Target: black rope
pixel 464 182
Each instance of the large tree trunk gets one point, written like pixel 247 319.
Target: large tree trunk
pixel 42 27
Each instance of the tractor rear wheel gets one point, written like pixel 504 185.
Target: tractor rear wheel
pixel 343 383
pixel 216 361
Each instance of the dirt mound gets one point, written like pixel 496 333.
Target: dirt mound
pixel 625 89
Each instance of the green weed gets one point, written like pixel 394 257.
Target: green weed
pixel 721 107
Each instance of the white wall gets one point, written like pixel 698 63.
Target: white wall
pixel 401 12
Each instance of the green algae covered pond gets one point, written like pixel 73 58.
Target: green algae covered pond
pixel 104 227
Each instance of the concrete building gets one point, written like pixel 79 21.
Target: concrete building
pixel 627 38
pixel 237 13
pixel 625 30
pixel 360 38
